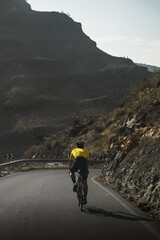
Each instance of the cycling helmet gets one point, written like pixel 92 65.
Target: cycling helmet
pixel 80 144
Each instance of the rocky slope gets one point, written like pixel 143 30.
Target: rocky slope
pixel 133 156
pixel 128 139
pixel 49 70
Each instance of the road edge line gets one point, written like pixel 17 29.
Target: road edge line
pixel 146 225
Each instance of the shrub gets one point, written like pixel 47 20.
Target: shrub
pixel 99 129
pixel 117 112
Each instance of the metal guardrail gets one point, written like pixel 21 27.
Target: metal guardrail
pixel 18 163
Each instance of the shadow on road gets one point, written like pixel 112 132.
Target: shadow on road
pixel 120 215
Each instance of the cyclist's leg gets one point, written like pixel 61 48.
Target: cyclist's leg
pixel 74 168
pixel 85 190
pixel 85 187
pixel 84 178
pixel 76 165
pixel 73 177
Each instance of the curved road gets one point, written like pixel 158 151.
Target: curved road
pixel 40 205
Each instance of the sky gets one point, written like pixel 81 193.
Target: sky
pixel 121 28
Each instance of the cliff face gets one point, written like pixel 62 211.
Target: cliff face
pixel 50 70
pixel 133 156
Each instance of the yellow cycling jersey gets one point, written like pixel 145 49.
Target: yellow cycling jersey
pixel 79 152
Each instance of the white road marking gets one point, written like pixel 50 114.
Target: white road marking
pixel 146 225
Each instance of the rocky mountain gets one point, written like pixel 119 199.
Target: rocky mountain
pixel 10 6
pixel 128 139
pixel 51 71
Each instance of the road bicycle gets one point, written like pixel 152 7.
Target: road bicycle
pixel 80 194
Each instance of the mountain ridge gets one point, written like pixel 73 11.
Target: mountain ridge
pixel 150 68
pixel 50 70
pixel 14 6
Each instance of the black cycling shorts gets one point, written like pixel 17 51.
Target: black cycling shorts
pixel 80 163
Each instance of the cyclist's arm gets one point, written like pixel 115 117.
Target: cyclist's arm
pixel 87 158
pixel 70 163
pixel 71 158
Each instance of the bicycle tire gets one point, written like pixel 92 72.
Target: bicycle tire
pixel 80 192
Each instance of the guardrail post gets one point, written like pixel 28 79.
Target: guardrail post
pixel 20 167
pixel 42 165
pixel 8 169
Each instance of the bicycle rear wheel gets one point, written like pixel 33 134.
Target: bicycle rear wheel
pixel 80 193
pixel 80 201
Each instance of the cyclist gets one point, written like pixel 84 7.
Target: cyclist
pixel 79 158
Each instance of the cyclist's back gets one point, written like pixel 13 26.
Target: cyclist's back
pixel 79 152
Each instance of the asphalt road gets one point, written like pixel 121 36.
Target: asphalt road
pixel 40 205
